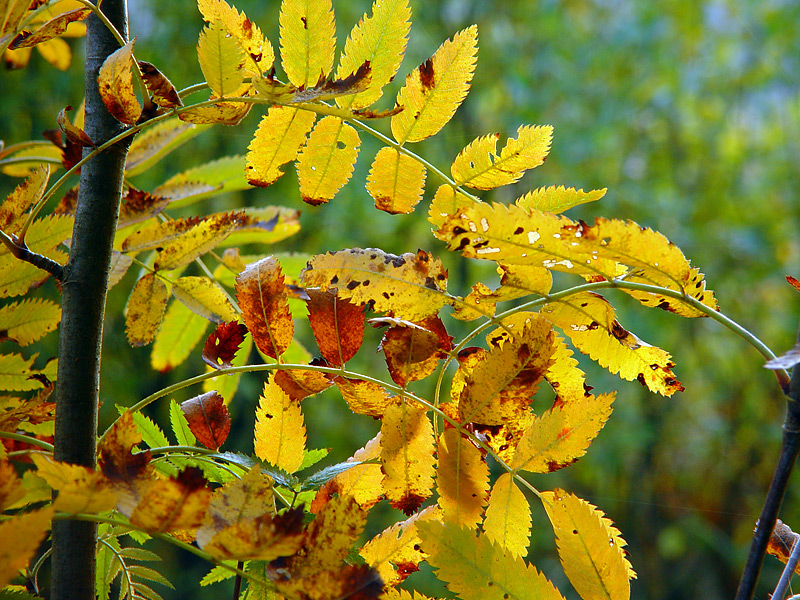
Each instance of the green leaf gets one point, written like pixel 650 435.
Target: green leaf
pixel 312 457
pixel 180 427
pixel 323 476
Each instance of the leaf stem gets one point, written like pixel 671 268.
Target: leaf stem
pixel 26 440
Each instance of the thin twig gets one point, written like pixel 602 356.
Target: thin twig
pixel 22 252
pixel 788 571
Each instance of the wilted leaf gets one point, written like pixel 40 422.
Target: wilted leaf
pixel 590 547
pixel 164 93
pixel 782 541
pixel 220 112
pixel 50 29
pixel 435 89
pixel 337 323
pixel 74 134
pixel 116 86
pixel 411 286
pixel 138 206
pixel 222 344
pixel 407 455
pixel 262 297
pixel 208 419
pixel 280 435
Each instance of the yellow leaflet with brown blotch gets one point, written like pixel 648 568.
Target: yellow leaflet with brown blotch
pixel 258 52
pixel 516 281
pixel 280 134
pixel 80 489
pixel 477 569
pixel 264 303
pixel 557 199
pixel 22 534
pixel 280 435
pixel 478 165
pixel 379 39
pixel 590 322
pixel 221 59
pixel 396 552
pixel 179 502
pixel 498 389
pixel 591 549
pixel 25 195
pixel 562 434
pixel 326 162
pixel 196 241
pixel 411 286
pixel 407 455
pixel 446 202
pixel 462 479
pixel 205 298
pixel 224 113
pixel 308 40
pixel 395 181
pixel 566 379
pixel 145 310
pixel 508 516
pixel 435 89
pixel 115 84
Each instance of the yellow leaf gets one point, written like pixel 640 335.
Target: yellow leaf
pixel 435 89
pixel 196 241
pixel 516 281
pixel 258 51
pixel 567 380
pixel 407 455
pixel 590 547
pixel 180 332
pixel 446 202
pixel 28 320
pixel 153 142
pixel 260 538
pixel 508 517
pixel 280 435
pixel 557 199
pixel 277 141
pixel 52 28
pixel 562 434
pixel 224 113
pixel 381 39
pixel 205 298
pixel 462 479
pixel 57 52
pixel 477 569
pixel 262 297
pixel 173 504
pixel 221 59
pixel 80 489
pixel 116 86
pixel 395 181
pixel 145 310
pixel 363 397
pixel 395 593
pixel 239 499
pixel 499 388
pixel 395 552
pixel 15 373
pixel 11 489
pixel 411 286
pixel 326 161
pixel 478 165
pixel 308 41
pixel 21 535
pixel 590 322
pixel 362 482
pixel 25 195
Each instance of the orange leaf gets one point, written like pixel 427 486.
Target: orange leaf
pixel 793 282
pixel 208 419
pixel 782 540
pixel 222 344
pixel 116 460
pixel 301 384
pixel 116 86
pixel 264 303
pixel 164 93
pixel 21 535
pixel 338 325
pixel 412 351
pixel 74 134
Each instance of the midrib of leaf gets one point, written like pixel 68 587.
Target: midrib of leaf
pixel 324 171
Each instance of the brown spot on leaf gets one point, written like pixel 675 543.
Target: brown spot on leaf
pixel 426 75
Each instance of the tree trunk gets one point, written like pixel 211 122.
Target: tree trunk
pixel 84 296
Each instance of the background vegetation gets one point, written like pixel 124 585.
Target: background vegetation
pixel 688 112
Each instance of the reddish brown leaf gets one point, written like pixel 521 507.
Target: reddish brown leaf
pixel 164 93
pixel 208 419
pixel 222 344
pixel 301 384
pixel 139 206
pixel 794 283
pixel 412 352
pixel 262 297
pixel 338 325
pixel 74 134
pixel 116 459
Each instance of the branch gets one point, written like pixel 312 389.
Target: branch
pixel 22 252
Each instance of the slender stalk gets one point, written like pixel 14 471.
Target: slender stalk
pixel 788 572
pixel 84 295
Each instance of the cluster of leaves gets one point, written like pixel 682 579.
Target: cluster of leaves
pixel 431 458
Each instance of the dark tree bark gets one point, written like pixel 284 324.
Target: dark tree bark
pixel 84 296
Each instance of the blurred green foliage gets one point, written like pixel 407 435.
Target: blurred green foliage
pixel 689 112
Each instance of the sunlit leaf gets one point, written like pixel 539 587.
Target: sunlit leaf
pixel 338 325
pixel 116 85
pixel 145 310
pixel 280 435
pixel 258 52
pixel 308 42
pixel 262 297
pixel 26 321
pixel 176 503
pixel 80 489
pixel 326 162
pixel 363 481
pixel 413 351
pixel 396 181
pixel 557 199
pixel 181 330
pixel 208 419
pixel 11 488
pixel 196 241
pixel 462 479
pixel 279 137
pixel 152 143
pixel 205 298
pixel 21 535
pixel 435 89
pixel 221 59
pixel 299 384
pixel 50 29
pixel 508 516
pixel 590 547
